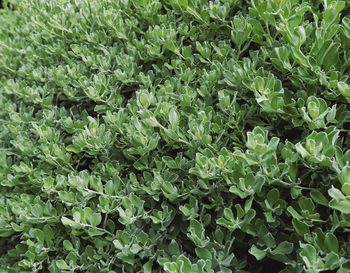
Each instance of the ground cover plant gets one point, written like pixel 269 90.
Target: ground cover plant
pixel 174 136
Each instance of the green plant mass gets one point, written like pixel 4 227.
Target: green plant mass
pixel 179 136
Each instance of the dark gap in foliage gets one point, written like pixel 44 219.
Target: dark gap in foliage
pixel 345 13
pixel 9 5
pixel 115 218
pixel 285 134
pixel 271 266
pixel 340 234
pixel 128 92
pixel 90 108
pixel 247 127
pixel 241 250
pixel 346 129
pixel 344 137
pixel 36 110
pixel 189 246
pixel 85 163
pixel 173 152
pixel 318 5
pixel 252 47
pixel 8 243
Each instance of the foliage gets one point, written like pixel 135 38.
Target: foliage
pixel 175 136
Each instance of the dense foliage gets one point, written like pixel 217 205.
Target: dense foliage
pixel 175 136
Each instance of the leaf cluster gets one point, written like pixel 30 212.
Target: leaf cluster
pixel 179 136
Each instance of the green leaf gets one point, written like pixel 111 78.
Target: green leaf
pixel 68 245
pixel 185 264
pixel 319 198
pixel 68 197
pixel 95 232
pixel 135 248
pixel 203 253
pixel 331 242
pixel 67 222
pixel 332 261
pixel 294 213
pixel 257 253
pixel 72 148
pixel 309 255
pixel 339 202
pixel 171 267
pixel 284 248
pixel 95 219
pixel 61 264
pixel 37 210
pixel 173 248
pixel 344 175
pixel 300 227
pixel 183 3
pixel 147 267
pixel 173 118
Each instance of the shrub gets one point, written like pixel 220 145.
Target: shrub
pixel 174 136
